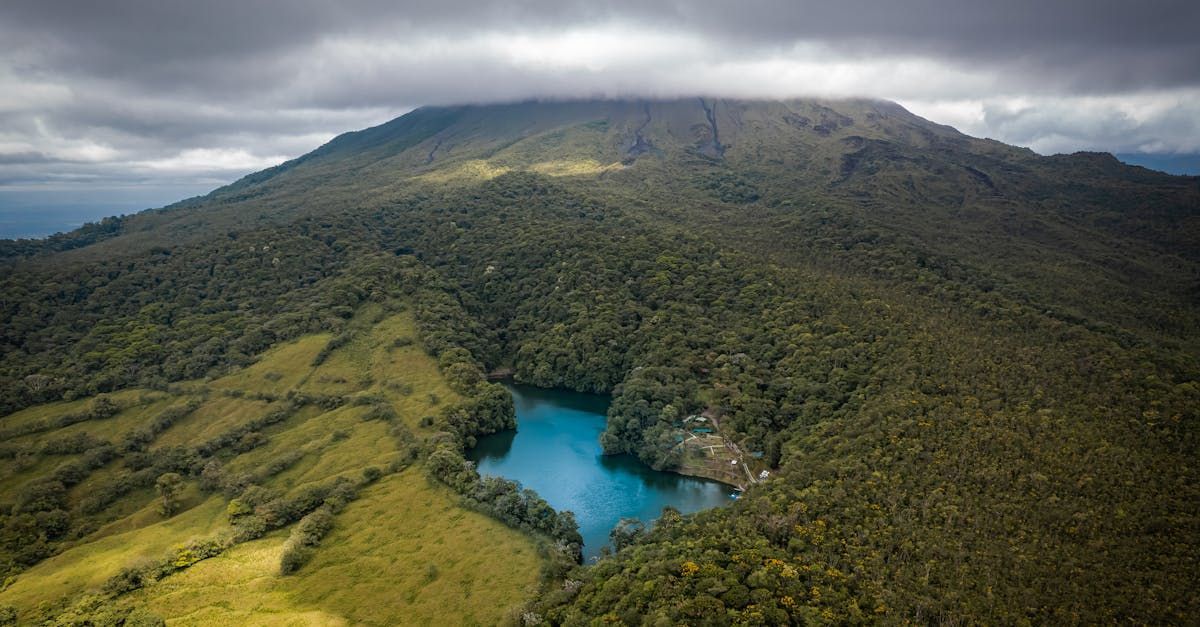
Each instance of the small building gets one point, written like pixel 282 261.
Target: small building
pixel 702 430
pixel 763 475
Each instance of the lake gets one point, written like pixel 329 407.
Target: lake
pixel 556 451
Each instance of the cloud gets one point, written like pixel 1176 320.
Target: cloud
pixel 210 160
pixel 134 92
pixel 1165 121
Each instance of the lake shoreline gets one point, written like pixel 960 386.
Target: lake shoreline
pixel 556 452
pixel 505 375
pixel 707 477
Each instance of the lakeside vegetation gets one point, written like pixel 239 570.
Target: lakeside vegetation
pixel 973 369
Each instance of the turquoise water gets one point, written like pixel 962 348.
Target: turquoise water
pixel 556 451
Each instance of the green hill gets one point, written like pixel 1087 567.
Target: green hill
pixel 972 369
pixel 395 535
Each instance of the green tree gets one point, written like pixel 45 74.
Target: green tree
pixel 168 485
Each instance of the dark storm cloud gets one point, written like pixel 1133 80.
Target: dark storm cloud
pixel 152 89
pixel 1087 44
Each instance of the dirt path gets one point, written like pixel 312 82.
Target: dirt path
pixel 741 460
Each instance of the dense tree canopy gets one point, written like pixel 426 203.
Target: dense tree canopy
pixel 980 394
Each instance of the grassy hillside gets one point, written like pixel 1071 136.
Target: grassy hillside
pixel 972 369
pixel 392 559
pixel 405 538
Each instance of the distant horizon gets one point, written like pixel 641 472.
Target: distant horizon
pixel 37 214
pixel 31 212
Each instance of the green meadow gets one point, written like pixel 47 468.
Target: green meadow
pixel 405 551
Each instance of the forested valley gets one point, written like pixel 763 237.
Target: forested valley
pixel 971 370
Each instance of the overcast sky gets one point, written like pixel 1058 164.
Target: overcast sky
pixel 183 96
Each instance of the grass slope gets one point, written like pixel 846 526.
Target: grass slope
pixel 405 552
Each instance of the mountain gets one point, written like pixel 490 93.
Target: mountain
pixel 969 369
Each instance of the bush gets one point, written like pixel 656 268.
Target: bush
pixel 107 492
pixel 102 407
pixel 250 527
pixel 381 411
pixel 280 464
pixel 40 496
pixel 168 486
pixel 71 444
pixel 293 558
pixel 141 617
pixel 212 477
pixel 372 474
pixel 314 526
pixel 249 441
pixel 127 580
pixel 305 537
pixel 333 344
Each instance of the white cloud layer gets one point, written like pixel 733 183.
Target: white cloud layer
pixel 132 95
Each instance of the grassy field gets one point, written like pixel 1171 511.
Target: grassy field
pixel 29 418
pixel 280 369
pixel 217 414
pixel 404 552
pixel 140 406
pixel 86 567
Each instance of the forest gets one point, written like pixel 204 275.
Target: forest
pixel 980 393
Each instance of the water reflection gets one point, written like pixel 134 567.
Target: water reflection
pixel 493 447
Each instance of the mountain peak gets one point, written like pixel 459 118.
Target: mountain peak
pixel 625 130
